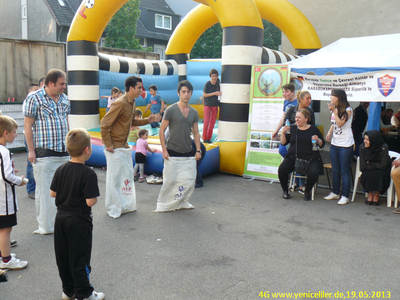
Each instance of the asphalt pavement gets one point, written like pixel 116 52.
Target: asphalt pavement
pixel 242 241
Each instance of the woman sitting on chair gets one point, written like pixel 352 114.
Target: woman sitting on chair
pixel 375 165
pixel 304 101
pixel 300 139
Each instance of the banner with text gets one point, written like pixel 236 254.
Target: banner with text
pixel 381 86
pixel 266 104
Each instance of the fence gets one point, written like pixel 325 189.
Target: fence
pixel 25 61
pixel 14 110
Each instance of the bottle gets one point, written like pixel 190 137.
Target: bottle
pixel 314 145
pixel 288 124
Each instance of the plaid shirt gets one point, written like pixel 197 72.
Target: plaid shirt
pixel 51 126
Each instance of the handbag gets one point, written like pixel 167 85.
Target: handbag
pixel 301 165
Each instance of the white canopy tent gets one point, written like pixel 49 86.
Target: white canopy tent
pixel 366 67
pixel 356 55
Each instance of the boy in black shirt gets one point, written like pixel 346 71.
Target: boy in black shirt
pixel 75 188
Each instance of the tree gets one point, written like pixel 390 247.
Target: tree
pixel 209 45
pixel 121 30
pixel 272 36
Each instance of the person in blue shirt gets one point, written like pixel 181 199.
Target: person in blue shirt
pixel 290 100
pixel 156 104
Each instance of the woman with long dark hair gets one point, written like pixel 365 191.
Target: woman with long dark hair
pixel 375 164
pixel 342 141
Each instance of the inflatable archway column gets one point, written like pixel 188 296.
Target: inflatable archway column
pixel 83 61
pixel 242 41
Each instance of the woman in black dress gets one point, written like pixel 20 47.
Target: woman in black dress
pixel 375 164
pixel 300 138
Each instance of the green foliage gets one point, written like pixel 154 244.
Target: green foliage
pixel 209 45
pixel 121 30
pixel 272 36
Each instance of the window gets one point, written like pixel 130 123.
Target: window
pixel 163 22
pixel 24 12
pixel 143 42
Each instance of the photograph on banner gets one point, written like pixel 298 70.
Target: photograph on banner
pixel 375 86
pixel 267 81
pixel 266 102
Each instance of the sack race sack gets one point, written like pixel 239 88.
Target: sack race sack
pixel 301 166
pixel 46 210
pixel 179 178
pixel 120 188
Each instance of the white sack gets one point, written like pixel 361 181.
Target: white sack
pixel 179 178
pixel 120 188
pixel 43 171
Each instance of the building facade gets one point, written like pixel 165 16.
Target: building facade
pixel 49 20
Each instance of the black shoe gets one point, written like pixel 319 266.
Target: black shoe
pixel 368 202
pixel 307 196
pixel 377 203
pixel 286 195
pixel 13 243
pixel 302 190
pixel 3 276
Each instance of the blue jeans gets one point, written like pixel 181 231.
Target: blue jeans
pixel 341 164
pixel 31 185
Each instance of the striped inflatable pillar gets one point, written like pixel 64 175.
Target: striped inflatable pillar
pixel 241 48
pixel 181 60
pixel 83 84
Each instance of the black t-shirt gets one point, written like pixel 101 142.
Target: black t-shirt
pixel 304 144
pixel 360 119
pixel 74 183
pixel 211 88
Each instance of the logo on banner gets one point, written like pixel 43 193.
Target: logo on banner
pixel 386 84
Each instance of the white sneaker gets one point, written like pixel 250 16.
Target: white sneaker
pixel 14 264
pixel 96 296
pixel 151 179
pixel 343 200
pixel 332 196
pixel 65 297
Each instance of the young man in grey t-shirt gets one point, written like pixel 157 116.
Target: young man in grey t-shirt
pixel 181 120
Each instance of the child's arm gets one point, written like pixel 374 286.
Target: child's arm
pixel 53 194
pixel 149 149
pixel 91 201
pixel 8 174
pixel 162 106
pixel 147 107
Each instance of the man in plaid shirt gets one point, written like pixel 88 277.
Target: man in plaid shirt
pixel 46 126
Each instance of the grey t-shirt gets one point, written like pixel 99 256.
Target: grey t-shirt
pixel 180 128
